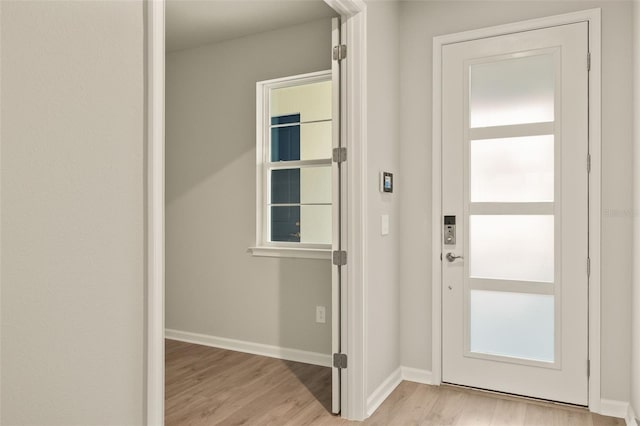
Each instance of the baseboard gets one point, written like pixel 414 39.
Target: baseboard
pixel 416 375
pixel 250 347
pixel 631 418
pixel 613 408
pixel 383 391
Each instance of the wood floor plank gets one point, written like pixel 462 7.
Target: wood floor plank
pixel 208 386
pixel 447 408
pixel 478 410
pixel 509 413
pixel 599 420
pixel 388 411
pixel 538 416
pixel 416 407
pixel 563 417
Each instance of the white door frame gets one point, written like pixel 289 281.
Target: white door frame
pixel 353 13
pixel 591 16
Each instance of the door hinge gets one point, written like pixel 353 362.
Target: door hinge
pixel 340 360
pixel 440 257
pixel 588 163
pixel 339 52
pixel 339 257
pixel 588 368
pixel 339 155
pixel 588 267
pixel 588 61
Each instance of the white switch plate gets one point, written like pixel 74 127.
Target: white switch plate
pixel 321 314
pixel 384 224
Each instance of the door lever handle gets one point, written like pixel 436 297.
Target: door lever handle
pixel 452 257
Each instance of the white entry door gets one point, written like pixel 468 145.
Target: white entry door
pixel 515 191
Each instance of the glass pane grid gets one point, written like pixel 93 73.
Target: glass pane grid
pixel 299 206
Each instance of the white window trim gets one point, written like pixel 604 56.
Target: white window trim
pixel 263 246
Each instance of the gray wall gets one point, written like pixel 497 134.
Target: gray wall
pixel 420 22
pixel 382 286
pixel 72 213
pixel 213 285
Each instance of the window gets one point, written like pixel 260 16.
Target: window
pixel 294 169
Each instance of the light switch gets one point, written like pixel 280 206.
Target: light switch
pixel 384 224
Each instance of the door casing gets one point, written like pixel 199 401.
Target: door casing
pixel 592 17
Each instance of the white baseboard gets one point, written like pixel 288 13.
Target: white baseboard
pixel 631 417
pixel 416 375
pixel 250 347
pixel 613 408
pixel 383 391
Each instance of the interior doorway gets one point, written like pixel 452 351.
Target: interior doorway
pixel 213 297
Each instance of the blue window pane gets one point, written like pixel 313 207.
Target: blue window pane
pixel 285 119
pixel 285 143
pixel 285 223
pixel 285 186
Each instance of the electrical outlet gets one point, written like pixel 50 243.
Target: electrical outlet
pixel 321 314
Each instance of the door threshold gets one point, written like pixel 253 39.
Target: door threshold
pixel 515 397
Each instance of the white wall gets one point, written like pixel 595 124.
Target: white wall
pixel 214 286
pixel 72 213
pixel 382 281
pixel 635 307
pixel 420 22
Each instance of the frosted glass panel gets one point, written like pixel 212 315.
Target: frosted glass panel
pixel 512 91
pixel 518 325
pixel 518 247
pixel 512 169
pixel 315 185
pixel 311 101
pixel 315 224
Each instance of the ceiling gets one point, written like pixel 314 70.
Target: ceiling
pixel 191 23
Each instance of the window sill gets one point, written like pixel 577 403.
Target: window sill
pixel 304 253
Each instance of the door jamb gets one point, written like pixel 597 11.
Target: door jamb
pixel 353 13
pixel 592 17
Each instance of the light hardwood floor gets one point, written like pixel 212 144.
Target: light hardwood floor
pixel 209 386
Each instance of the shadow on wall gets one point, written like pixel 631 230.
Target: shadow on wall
pixel 303 285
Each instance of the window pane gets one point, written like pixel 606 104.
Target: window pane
pixel 309 141
pixel 315 185
pixel 516 325
pixel 285 119
pixel 315 224
pixel 285 143
pixel 512 169
pixel 285 223
pixel 512 91
pixel 311 101
pixel 315 141
pixel 285 186
pixel 517 248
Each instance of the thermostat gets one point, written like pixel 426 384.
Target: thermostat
pixel 386 182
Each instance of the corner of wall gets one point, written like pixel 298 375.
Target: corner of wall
pixel 635 309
